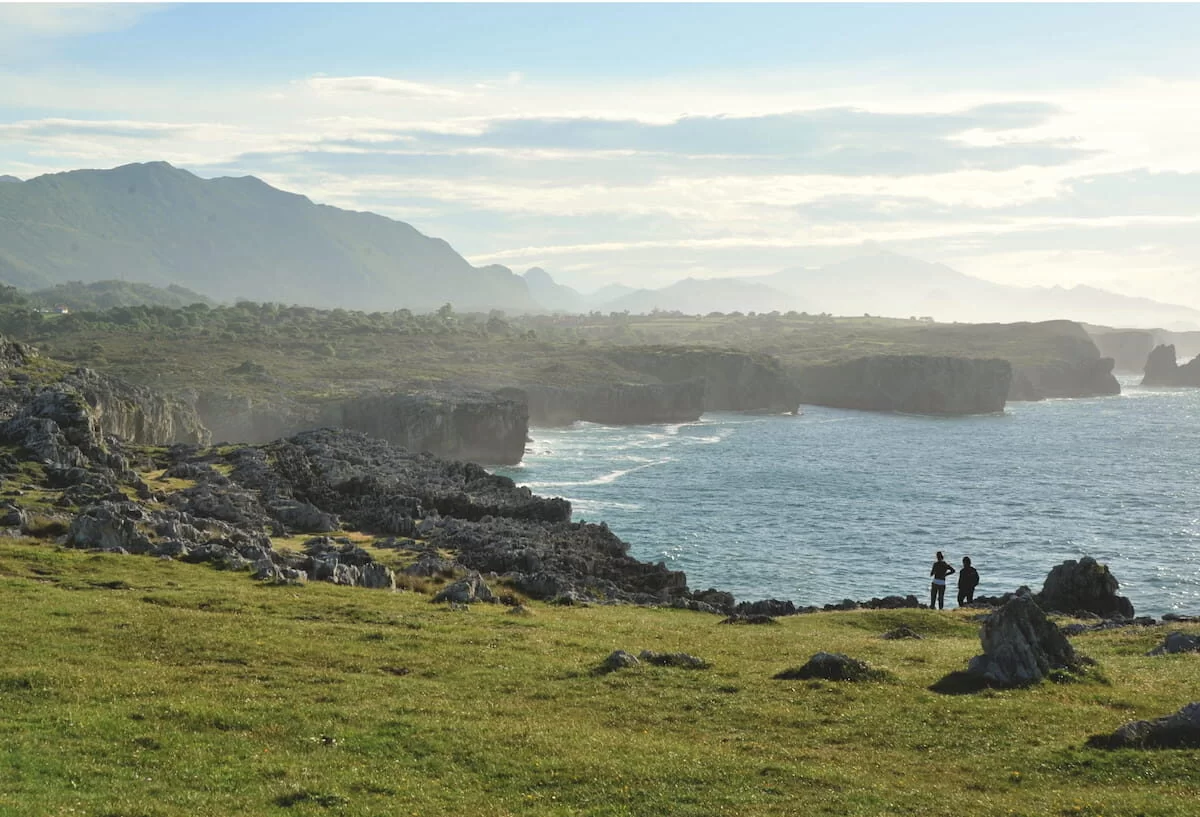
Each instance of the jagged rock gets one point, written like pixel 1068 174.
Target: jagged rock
pixel 466 591
pixel 901 632
pixel 430 564
pixel 892 603
pixel 766 607
pixel 672 659
pixel 1163 369
pixel 303 516
pixel 831 667
pixel 1083 586
pixel 12 517
pixel 1177 642
pixel 519 610
pixel 1021 647
pixel 377 577
pixel 109 525
pixel 618 659
pixel 719 599
pixel 1178 731
pixel 752 618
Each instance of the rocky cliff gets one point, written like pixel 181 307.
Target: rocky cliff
pixel 1163 369
pixel 733 380
pixel 613 403
pixel 111 406
pixel 468 425
pixel 917 384
pixel 1128 348
pixel 1067 364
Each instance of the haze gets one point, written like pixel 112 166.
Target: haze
pixel 643 145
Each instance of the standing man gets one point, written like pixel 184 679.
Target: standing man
pixel 968 580
pixel 940 570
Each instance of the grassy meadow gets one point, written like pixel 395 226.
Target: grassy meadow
pixel 141 687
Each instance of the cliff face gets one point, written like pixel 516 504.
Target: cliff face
pixel 135 413
pixel 476 426
pixel 1128 349
pixel 614 403
pixel 733 381
pixel 916 384
pixel 49 394
pixel 240 419
pixel 1084 378
pixel 1163 369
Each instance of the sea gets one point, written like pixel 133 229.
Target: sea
pixel 837 504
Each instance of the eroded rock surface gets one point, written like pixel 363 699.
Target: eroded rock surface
pixel 1021 646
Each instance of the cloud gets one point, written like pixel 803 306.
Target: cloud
pixel 386 86
pixel 23 25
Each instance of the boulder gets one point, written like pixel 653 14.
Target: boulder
pixel 107 526
pixel 901 632
pixel 831 667
pixel 466 591
pixel 1021 647
pixel 672 659
pixel 1084 586
pixel 618 659
pixel 751 618
pixel 1178 731
pixel 1177 642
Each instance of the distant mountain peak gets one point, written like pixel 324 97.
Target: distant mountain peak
pixel 7 178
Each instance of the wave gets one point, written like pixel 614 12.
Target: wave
pixel 605 479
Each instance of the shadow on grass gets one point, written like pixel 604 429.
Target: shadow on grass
pixel 960 683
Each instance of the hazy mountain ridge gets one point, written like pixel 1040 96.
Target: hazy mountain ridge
pixel 231 238
pixel 893 285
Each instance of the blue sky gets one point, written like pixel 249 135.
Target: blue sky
pixel 643 143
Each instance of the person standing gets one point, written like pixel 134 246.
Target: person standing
pixel 968 580
pixel 937 592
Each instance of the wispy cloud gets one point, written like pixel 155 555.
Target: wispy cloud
pixel 386 86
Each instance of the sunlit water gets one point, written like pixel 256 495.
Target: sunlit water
pixel 839 504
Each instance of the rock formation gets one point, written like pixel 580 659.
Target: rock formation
pixel 1021 647
pixel 915 384
pixel 1163 369
pixel 733 380
pixel 1127 348
pixel 831 667
pixel 1084 586
pixel 1178 731
pixel 466 425
pixel 612 404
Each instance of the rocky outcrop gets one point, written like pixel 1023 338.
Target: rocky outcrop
pixel 56 412
pixel 1178 731
pixel 1060 360
pixel 1084 586
pixel 478 426
pixel 733 380
pixel 832 667
pixel 915 384
pixel 613 404
pixel 1163 369
pixel 468 425
pixel 1021 647
pixel 1128 348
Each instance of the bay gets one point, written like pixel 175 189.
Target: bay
pixel 836 504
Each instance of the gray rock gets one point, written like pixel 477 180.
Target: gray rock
pixel 1083 586
pixel 901 632
pixel 303 516
pixel 465 591
pixel 1177 731
pixel 619 659
pixel 672 659
pixel 1177 642
pixel 831 667
pixel 376 577
pixel 108 525
pixel 1021 646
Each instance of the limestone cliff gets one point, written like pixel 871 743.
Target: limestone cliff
pixel 46 392
pixel 468 425
pixel 733 380
pixel 613 403
pixel 917 384
pixel 1128 348
pixel 1163 369
pixel 1067 364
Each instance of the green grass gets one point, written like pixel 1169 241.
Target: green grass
pixel 134 686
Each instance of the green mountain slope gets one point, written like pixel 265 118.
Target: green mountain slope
pixel 231 238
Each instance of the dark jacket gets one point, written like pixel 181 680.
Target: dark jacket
pixel 968 578
pixel 941 569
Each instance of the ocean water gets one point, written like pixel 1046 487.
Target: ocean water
pixel 836 504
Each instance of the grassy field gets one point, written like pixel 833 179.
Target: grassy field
pixel 140 687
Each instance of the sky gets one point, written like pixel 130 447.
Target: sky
pixel 641 144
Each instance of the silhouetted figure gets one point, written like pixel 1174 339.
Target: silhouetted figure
pixel 937 592
pixel 968 580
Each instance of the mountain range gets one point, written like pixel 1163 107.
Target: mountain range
pixel 240 238
pixel 231 239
